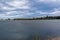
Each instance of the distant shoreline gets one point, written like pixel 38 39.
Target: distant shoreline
pixel 40 18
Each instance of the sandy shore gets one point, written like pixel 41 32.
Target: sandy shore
pixel 56 38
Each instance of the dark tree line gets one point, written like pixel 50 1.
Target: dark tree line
pixel 40 18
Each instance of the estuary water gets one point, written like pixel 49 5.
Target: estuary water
pixel 28 29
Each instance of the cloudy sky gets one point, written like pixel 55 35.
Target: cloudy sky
pixel 29 8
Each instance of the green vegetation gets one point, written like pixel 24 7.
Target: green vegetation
pixel 42 36
pixel 37 18
pixel 40 18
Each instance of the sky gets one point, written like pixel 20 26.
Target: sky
pixel 29 8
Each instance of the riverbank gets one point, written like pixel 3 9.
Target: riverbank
pixel 37 18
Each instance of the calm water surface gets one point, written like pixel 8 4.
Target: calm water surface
pixel 27 29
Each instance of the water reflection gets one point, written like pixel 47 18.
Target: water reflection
pixel 30 30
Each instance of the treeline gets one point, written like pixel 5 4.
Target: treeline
pixel 40 18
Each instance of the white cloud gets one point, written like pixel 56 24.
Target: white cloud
pixel 12 16
pixel 15 14
pixel 49 0
pixel 7 8
pixel 11 5
pixel 4 7
pixel 13 8
pixel 56 13
pixel 22 4
pixel 14 4
pixel 19 13
pixel 41 12
pixel 1 5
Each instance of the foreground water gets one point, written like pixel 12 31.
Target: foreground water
pixel 28 29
